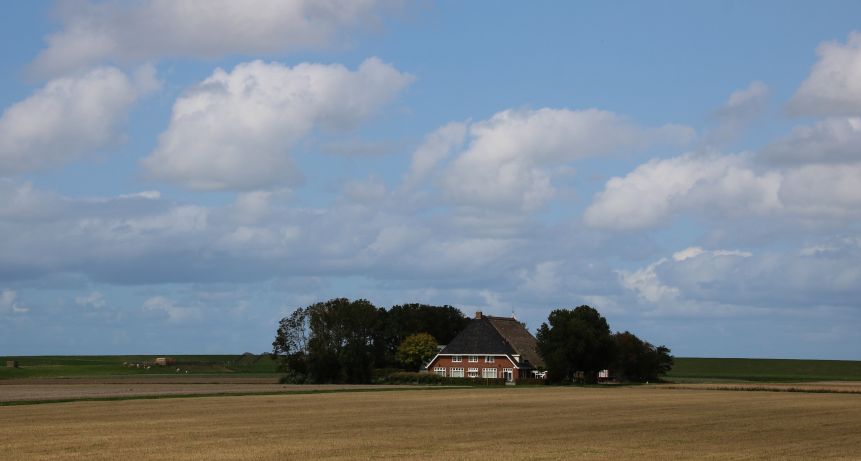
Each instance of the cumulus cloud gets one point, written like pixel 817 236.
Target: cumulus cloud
pixel 93 32
pixel 651 194
pixel 9 303
pixel 833 140
pixel 742 107
pixel 700 281
pixel 92 299
pixel 68 118
pixel 169 308
pixel 235 129
pixel 823 190
pixel 511 158
pixel 834 84
pixel 435 148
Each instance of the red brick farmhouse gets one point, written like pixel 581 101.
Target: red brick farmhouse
pixel 489 347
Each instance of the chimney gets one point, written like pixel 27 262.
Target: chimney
pixel 478 315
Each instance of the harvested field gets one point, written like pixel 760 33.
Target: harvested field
pixel 39 390
pixel 504 423
pixel 848 387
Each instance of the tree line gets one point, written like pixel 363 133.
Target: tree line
pixel 577 343
pixel 344 341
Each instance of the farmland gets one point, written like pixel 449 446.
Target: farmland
pixel 112 365
pixel 640 422
pixel 231 407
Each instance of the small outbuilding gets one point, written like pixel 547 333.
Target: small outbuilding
pixel 164 361
pixel 11 364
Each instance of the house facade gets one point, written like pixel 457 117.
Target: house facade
pixel 489 347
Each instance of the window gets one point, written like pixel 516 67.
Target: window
pixel 473 373
pixel 456 358
pixel 473 358
pixel 440 371
pixel 488 373
pixel 457 372
pixel 508 374
pixel 488 359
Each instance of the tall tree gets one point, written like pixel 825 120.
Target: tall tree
pixel 290 347
pixel 441 322
pixel 575 340
pixel 639 361
pixel 333 341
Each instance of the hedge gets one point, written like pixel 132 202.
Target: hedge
pixel 430 378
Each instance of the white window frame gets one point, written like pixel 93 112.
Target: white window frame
pixel 488 359
pixel 439 371
pixel 457 358
pixel 508 371
pixel 456 372
pixel 472 373
pixel 473 359
pixel 490 373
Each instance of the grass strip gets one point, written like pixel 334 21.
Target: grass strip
pixel 227 394
pixel 764 389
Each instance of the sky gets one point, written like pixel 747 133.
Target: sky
pixel 178 175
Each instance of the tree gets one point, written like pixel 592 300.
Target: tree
pixel 333 341
pixel 575 340
pixel 290 347
pixel 416 350
pixel 639 361
pixel 401 321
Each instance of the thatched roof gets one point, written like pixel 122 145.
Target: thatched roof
pixel 486 335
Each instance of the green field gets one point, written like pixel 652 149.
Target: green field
pixel 691 369
pixel 107 365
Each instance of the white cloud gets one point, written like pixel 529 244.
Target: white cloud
pixel 709 282
pixel 512 157
pixel 112 31
pixel 740 109
pixel 648 286
pixel 823 190
pixel 651 194
pixel 544 279
pixel 93 299
pixel 834 84
pixel 436 147
pixel 68 118
pixel 235 129
pixel 833 140
pixel 169 308
pixel 9 303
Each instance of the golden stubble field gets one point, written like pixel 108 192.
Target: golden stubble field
pixel 644 422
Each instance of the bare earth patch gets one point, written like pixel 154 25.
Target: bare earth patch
pixel 495 423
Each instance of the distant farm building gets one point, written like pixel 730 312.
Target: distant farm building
pixel 164 361
pixel 11 364
pixel 490 347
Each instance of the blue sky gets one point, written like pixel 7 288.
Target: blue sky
pixel 177 176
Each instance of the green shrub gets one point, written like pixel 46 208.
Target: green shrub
pixel 405 377
pixel 531 382
pixel 293 377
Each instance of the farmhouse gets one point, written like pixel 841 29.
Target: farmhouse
pixel 489 347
